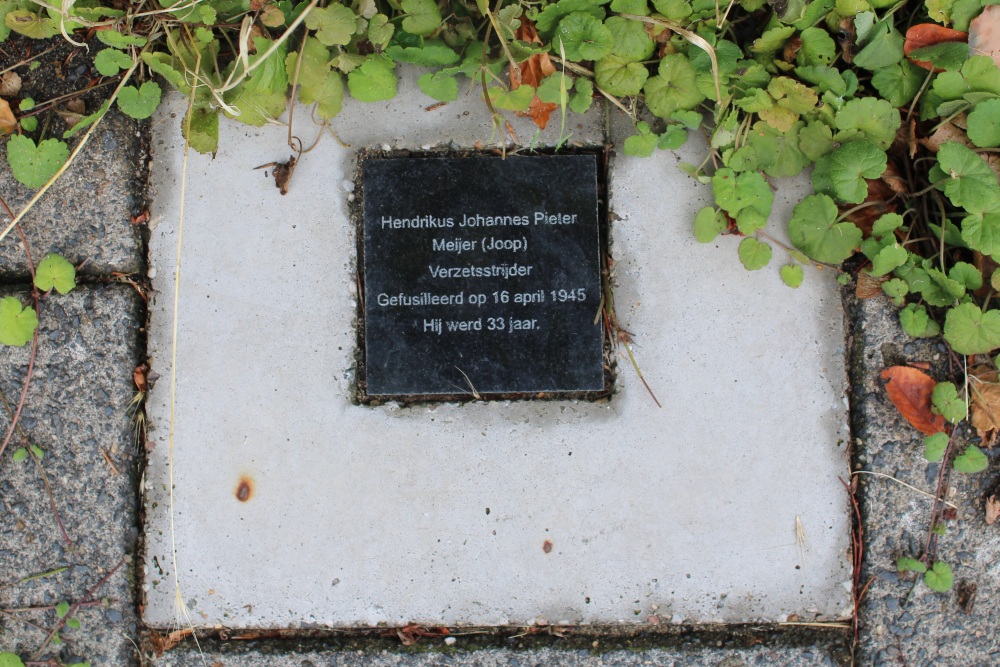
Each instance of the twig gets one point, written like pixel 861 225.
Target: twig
pixel 76 607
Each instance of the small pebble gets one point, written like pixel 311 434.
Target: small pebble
pixel 450 641
pixel 113 615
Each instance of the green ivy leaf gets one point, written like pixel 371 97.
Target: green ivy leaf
pixel 970 183
pixel 984 124
pixel 30 24
pixel 816 140
pixel 708 224
pixel 887 224
pixel 20 454
pixel 846 169
pixel 898 83
pixel 967 274
pixel 947 403
pixel 791 275
pixel 335 24
pixel 62 609
pixel 73 623
pixel 777 153
pixel 868 118
pixel 550 16
pixel 10 660
pixel 583 97
pixel 939 578
pixel 771 40
pixel 433 53
pixel 555 88
pixel 934 448
pixel 884 48
pixel 910 564
pixel 814 230
pixel 318 84
pixel 972 460
pixel 204 127
pixel 888 259
pixel 54 272
pixel 818 48
pixel 747 197
pixel 674 88
pixel 824 77
pixel 981 231
pixel 946 55
pixel 35 165
pixel 439 86
pixel 755 100
pixel 631 41
pixel 111 61
pixel 117 40
pixel 618 76
pixel 518 99
pixel 672 138
pixel 971 331
pixel 373 80
pixel 637 7
pixel 422 16
pixel 753 254
pixel 141 102
pixel 380 31
pixel 37 451
pixel 583 37
pixel 642 144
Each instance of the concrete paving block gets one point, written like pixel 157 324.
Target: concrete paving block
pixel 495 513
pixel 87 214
pixel 903 621
pixel 255 654
pixel 76 412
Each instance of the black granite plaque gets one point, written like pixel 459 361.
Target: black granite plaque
pixel 481 275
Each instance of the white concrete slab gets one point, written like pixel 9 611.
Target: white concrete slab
pixel 440 514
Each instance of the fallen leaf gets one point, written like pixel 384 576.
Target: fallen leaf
pixel 965 594
pixel 73 113
pixel 139 377
pixel 876 204
pixel 868 286
pixel 910 391
pixel 10 84
pixel 992 510
pixel 944 133
pixel 791 50
pixel 163 643
pixel 7 121
pixel 410 634
pixel 984 34
pixel 986 265
pixel 929 34
pixel 846 37
pixel 985 409
pixel 894 179
pixel 282 172
pixel 533 70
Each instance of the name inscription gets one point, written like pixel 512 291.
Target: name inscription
pixel 481 275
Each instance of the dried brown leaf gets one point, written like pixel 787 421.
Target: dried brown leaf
pixel 532 71
pixel 163 643
pixel 7 121
pixel 992 510
pixel 868 286
pixel 929 34
pixel 944 133
pixel 985 409
pixel 10 84
pixel 910 391
pixel 894 179
pixel 984 34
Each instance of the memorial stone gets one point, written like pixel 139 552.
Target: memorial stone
pixel 482 275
